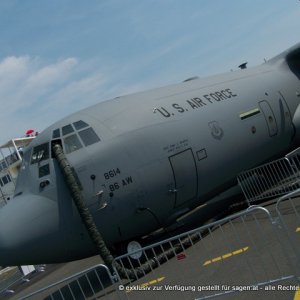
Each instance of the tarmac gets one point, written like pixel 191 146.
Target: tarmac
pixel 247 257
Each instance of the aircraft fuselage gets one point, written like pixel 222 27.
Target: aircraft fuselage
pixel 142 160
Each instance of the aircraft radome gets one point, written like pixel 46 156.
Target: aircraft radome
pixel 144 161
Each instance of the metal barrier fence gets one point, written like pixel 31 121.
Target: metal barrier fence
pixel 252 251
pixel 15 275
pixel 271 180
pixel 288 211
pixel 83 285
pixel 243 252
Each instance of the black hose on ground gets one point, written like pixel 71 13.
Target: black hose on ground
pixel 96 236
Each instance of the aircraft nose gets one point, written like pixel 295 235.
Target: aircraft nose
pixel 29 231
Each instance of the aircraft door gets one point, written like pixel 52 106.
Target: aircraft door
pixel 285 116
pixel 185 176
pixel 269 117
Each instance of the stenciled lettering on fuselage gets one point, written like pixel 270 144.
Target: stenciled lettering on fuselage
pixel 115 183
pixel 195 103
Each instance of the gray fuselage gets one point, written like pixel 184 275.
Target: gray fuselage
pixel 142 160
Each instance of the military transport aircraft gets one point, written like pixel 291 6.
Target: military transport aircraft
pixel 143 162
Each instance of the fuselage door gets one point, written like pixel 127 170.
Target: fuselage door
pixel 185 176
pixel 286 125
pixel 269 117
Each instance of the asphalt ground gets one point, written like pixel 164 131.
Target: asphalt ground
pixel 251 253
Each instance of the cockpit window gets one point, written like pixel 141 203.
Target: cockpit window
pixel 72 143
pixel 80 125
pixel 67 129
pixel 56 133
pixel 75 136
pixel 40 153
pixel 88 136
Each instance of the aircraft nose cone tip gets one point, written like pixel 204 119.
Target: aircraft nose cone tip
pixel 27 224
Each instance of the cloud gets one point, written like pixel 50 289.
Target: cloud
pixel 50 75
pixel 35 93
pixel 77 93
pixel 13 70
pixel 12 67
pixel 134 48
pixel 23 80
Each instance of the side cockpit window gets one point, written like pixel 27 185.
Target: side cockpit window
pixel 40 153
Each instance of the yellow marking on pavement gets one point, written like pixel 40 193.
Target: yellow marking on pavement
pixel 298 229
pixel 216 259
pixel 239 251
pixel 153 281
pixel 227 255
pixel 149 283
pixel 297 295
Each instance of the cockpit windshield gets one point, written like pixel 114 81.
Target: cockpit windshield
pixel 72 143
pixel 76 136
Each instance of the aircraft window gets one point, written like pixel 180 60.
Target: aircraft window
pixel 5 179
pixel 88 136
pixel 80 124
pixel 3 165
pixel 56 133
pixel 72 143
pixel 67 129
pixel 44 170
pixel 40 153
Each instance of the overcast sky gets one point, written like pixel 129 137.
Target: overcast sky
pixel 59 56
